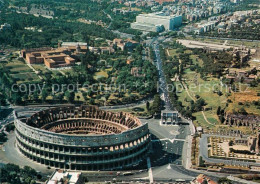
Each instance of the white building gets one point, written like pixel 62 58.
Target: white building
pixel 70 44
pixel 156 22
pixel 205 27
pixel 60 177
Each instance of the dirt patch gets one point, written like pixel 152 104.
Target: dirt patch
pixel 245 96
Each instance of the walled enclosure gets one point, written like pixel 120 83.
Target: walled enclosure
pixel 83 138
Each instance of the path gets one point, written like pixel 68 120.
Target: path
pixel 168 52
pixel 62 72
pixel 29 65
pixel 187 91
pixel 205 118
pixel 225 43
pixel 111 20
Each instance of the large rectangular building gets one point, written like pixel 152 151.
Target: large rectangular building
pixel 157 22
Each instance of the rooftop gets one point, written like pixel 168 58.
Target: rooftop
pixel 60 175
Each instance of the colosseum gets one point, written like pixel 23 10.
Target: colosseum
pixel 83 138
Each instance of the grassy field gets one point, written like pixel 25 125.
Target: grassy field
pixel 21 72
pixel 172 52
pixel 200 121
pixel 205 89
pixel 17 66
pixel 100 74
pixel 40 67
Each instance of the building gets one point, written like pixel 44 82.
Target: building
pixel 169 118
pixel 125 44
pixel 157 22
pixel 83 138
pixel 67 53
pixel 5 26
pixel 202 179
pixel 65 177
pixel 137 72
pixel 72 44
pixel 205 27
pixel 52 58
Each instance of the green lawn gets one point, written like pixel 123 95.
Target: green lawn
pixel 205 89
pixel 100 74
pixel 21 72
pixel 40 67
pixel 172 52
pixel 17 66
pixel 200 121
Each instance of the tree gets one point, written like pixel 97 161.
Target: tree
pixel 242 111
pixel 231 143
pixel 201 162
pixel 78 97
pixel 35 96
pixel 107 96
pixel 60 97
pixel 70 96
pixel 92 101
pixel 218 110
pixel 148 106
pixel 44 94
pixel 9 127
pixel 156 106
pixel 224 181
pixel 16 98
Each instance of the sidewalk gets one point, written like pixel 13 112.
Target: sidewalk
pixel 241 180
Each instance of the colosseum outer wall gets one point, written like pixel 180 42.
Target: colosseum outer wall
pixel 84 152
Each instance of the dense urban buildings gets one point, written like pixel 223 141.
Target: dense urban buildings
pixel 83 138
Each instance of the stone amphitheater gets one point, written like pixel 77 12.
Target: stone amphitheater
pixel 83 138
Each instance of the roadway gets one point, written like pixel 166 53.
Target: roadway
pixel 163 89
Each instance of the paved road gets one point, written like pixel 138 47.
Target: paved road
pixel 10 154
pixel 163 90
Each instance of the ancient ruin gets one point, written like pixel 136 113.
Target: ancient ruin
pixel 242 120
pixel 83 138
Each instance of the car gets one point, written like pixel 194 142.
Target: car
pixel 127 173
